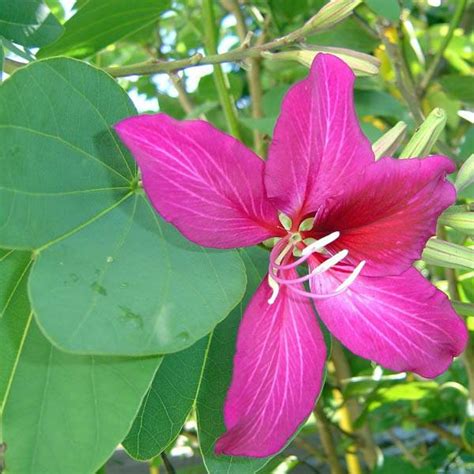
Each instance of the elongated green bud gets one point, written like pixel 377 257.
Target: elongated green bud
pixel 388 143
pixel 331 14
pixel 362 64
pixel 460 218
pixel 425 137
pixel 465 175
pixel 445 254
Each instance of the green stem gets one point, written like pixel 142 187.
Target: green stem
pixel 458 13
pixel 223 92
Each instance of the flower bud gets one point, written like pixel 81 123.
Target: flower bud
pixel 331 14
pixel 445 254
pixel 465 175
pixel 362 64
pixel 425 137
pixel 460 218
pixel 388 143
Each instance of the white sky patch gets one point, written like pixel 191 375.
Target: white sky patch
pixel 434 3
pixel 68 5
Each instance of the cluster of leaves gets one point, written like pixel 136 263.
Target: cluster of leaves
pixel 113 327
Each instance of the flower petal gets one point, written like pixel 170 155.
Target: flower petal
pixel 317 143
pixel 278 370
pixel 388 212
pixel 401 322
pixel 205 182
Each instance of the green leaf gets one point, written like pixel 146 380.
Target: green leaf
pixel 15 314
pixel 102 22
pixel 67 413
pixel 378 103
pixel 2 57
pixel 132 285
pixel 167 403
pixel 217 376
pixel 61 163
pixel 28 22
pixel 459 87
pixel 449 255
pixel 110 277
pixel 389 9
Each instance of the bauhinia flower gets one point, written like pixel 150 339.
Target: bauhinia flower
pixel 357 225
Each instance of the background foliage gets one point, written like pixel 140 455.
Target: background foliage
pixel 114 328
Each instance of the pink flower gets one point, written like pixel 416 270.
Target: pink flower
pixel 369 222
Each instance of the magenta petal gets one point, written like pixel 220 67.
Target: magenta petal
pixel 205 182
pixel 387 214
pixel 401 322
pixel 278 370
pixel 317 143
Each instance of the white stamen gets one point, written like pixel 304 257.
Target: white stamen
pixel 321 243
pixel 351 278
pixel 276 289
pixel 330 262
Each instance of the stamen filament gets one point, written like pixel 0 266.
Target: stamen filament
pixel 351 278
pixel 321 243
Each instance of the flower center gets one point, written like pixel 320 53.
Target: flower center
pixel 286 247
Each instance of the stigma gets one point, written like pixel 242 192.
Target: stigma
pixel 287 246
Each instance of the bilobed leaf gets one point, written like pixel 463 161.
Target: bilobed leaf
pixel 15 314
pixel 167 403
pixel 28 22
pixel 102 22
pixel 67 413
pixel 217 375
pixel 110 277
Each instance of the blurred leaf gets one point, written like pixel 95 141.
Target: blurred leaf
pixel 460 87
pixel 348 34
pixel 264 125
pixel 167 403
pixel 392 465
pixel 2 57
pixel 449 255
pixel 389 9
pixel 378 103
pixel 28 22
pixel 102 22
pixel 58 401
pixel 371 131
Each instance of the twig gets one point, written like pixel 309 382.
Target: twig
pixel 327 440
pixel 167 463
pixel 432 68
pixel 183 97
pixel 237 55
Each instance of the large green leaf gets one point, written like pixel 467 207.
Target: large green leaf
pixel 61 163
pixel 28 22
pixel 110 277
pixel 67 413
pixel 459 87
pixel 102 22
pixel 132 285
pixel 217 375
pixel 15 314
pixel 167 403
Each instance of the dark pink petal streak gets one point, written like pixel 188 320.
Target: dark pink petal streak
pixel 317 143
pixel 278 370
pixel 205 182
pixel 401 322
pixel 389 211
